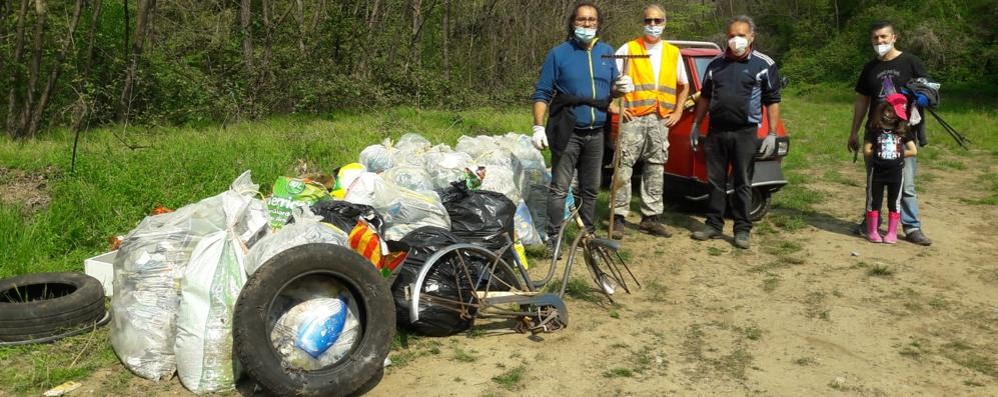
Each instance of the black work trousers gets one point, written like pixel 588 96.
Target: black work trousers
pixel 583 153
pixel 735 149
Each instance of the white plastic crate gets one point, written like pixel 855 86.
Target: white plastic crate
pixel 101 267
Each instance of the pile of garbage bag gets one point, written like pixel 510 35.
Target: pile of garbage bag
pixel 177 275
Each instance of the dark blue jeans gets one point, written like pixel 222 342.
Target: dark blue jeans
pixel 583 153
pixel 735 149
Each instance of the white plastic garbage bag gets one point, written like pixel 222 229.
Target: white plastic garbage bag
pixel 410 177
pixel 209 290
pixel 404 210
pixel 524 225
pixel 447 167
pixel 377 158
pixel 153 263
pixel 317 332
pixel 305 230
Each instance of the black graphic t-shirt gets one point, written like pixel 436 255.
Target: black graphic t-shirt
pixel 888 154
pixel 878 78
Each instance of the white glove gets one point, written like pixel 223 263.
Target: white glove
pixel 695 136
pixel 540 137
pixel 768 145
pixel 624 84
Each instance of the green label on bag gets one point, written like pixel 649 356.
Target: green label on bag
pixel 290 193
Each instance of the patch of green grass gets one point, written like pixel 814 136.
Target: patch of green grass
pixel 972 383
pixel 618 373
pixel 714 251
pixel 770 283
pixel 32 369
pixel 464 356
pixel 753 333
pixel 880 270
pixel 952 164
pixel 789 222
pixel 510 380
pixel 806 361
pixel 834 176
pixel 797 197
pixel 783 248
pixel 582 289
pixel 657 291
pixel 614 313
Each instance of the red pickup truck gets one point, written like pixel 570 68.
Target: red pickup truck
pixel 686 169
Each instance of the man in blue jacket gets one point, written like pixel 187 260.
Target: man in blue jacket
pixel 735 88
pixel 575 85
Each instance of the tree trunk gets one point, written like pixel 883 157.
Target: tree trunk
pixel 141 32
pixel 94 25
pixel 300 19
pixel 56 70
pixel 35 69
pixel 268 47
pixel 14 97
pixel 446 36
pixel 244 23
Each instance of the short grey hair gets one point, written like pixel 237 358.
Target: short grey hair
pixel 653 7
pixel 744 19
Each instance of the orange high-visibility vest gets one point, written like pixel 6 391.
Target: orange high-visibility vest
pixel 646 98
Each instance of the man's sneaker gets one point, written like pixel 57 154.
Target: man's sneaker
pixel 651 225
pixel 742 240
pixel 707 233
pixel 618 227
pixel 917 237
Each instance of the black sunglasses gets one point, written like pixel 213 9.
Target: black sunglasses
pixel 656 21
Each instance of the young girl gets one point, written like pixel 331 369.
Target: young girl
pixel 887 144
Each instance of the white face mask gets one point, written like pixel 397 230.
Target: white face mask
pixel 738 45
pixel 585 35
pixel 654 31
pixel 883 49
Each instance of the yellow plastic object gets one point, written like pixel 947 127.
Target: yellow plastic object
pixel 521 254
pixel 344 177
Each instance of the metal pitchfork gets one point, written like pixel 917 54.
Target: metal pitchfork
pixel 615 183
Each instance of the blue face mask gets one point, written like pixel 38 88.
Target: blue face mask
pixel 654 31
pixel 585 35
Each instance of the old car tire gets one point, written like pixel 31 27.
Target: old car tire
pixel 40 305
pixel 252 325
pixel 760 203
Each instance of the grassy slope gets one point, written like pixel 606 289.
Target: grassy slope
pixel 114 187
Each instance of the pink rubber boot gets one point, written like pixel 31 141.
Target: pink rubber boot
pixel 872 221
pixel 892 227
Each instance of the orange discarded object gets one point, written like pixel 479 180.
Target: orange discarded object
pixel 114 242
pixel 365 240
pixel 159 209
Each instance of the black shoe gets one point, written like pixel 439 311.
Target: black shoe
pixel 618 227
pixel 651 225
pixel 707 233
pixel 917 237
pixel 549 246
pixel 742 240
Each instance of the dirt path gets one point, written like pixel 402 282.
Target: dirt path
pixel 809 310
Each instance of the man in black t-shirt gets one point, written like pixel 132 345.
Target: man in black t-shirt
pixel 880 77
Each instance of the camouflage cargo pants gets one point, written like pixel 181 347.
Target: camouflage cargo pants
pixel 645 138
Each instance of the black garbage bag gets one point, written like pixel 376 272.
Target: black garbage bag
pixel 344 215
pixel 445 281
pixel 480 216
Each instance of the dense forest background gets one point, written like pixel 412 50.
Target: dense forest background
pixel 85 63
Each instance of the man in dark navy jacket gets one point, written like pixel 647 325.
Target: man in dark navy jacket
pixel 735 88
pixel 575 85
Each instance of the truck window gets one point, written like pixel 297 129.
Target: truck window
pixel 701 65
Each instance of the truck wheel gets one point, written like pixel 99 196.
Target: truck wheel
pixel 760 203
pixel 260 301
